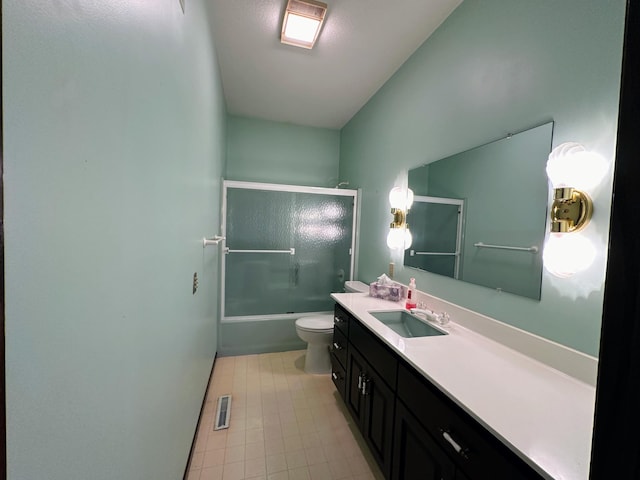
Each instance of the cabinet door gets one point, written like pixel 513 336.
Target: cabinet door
pixel 416 455
pixel 377 429
pixel 460 475
pixel 355 373
pixel 377 354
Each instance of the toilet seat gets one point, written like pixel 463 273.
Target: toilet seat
pixel 318 323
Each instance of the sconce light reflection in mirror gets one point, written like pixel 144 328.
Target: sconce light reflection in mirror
pixel 572 171
pixel 399 236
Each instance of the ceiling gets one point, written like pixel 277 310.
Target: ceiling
pixel 362 43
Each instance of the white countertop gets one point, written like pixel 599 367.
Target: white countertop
pixel 542 414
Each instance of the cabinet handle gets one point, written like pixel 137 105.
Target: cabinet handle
pixel 337 319
pixel 460 450
pixel 334 375
pixel 336 346
pixel 365 383
pixel 360 383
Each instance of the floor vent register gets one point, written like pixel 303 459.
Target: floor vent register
pixel 223 412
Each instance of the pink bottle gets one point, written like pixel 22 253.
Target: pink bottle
pixel 411 295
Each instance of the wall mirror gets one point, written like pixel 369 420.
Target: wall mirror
pixel 479 216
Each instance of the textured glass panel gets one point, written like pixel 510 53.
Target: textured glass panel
pixel 259 219
pixel 318 226
pixel 257 284
pixel 323 238
pixel 437 232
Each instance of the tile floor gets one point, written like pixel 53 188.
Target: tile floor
pixel 285 425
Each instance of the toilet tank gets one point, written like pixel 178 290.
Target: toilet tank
pixel 355 286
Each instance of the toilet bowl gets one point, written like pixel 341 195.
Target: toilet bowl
pixel 317 331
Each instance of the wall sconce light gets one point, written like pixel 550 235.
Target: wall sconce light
pixel 571 170
pixel 302 22
pixel 399 236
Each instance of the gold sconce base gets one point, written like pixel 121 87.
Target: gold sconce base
pixel 571 210
pixel 399 217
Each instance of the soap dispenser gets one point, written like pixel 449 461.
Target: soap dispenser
pixel 411 295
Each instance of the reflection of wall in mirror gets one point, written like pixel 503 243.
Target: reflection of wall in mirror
pixel 505 189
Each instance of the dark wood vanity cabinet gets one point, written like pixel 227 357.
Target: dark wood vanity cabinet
pixel 370 372
pixel 475 451
pixel 416 456
pixel 414 430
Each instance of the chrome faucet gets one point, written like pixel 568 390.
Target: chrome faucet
pixel 440 318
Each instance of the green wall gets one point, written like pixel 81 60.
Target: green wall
pixel 114 131
pixel 275 152
pixel 495 67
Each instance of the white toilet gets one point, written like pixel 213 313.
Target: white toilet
pixel 317 331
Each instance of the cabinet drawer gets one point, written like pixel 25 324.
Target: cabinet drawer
pixel 375 352
pixel 338 376
pixel 477 453
pixel 339 346
pixel 341 319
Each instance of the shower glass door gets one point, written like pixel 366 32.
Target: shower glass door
pixel 286 249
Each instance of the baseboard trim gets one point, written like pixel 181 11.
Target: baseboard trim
pixel 195 434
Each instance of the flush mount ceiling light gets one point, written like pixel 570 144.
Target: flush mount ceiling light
pixel 302 22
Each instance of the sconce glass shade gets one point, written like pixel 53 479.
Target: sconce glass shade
pixel 570 165
pixel 399 238
pixel 408 238
pixel 572 171
pixel 567 254
pixel 400 198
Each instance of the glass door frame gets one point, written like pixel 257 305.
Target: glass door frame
pixel 336 192
pixel 459 238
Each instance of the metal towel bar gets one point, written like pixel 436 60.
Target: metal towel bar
pixel 291 251
pixel 532 249
pixel 452 254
